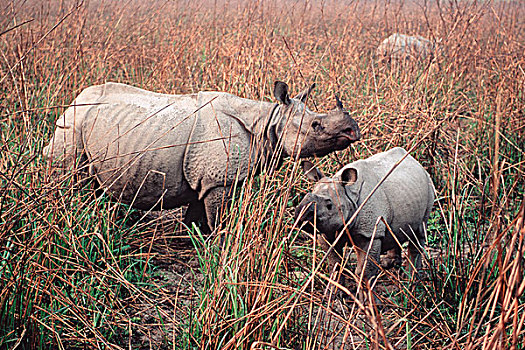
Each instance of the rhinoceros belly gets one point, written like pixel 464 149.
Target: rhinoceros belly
pixel 136 153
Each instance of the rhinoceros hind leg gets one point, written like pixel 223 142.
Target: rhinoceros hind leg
pixel 415 251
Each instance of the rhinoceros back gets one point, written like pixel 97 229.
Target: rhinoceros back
pixel 66 143
pixel 135 145
pixel 408 190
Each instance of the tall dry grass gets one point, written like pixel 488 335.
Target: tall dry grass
pixel 80 271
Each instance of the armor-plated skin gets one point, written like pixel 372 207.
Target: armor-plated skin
pixel 404 200
pixel 157 151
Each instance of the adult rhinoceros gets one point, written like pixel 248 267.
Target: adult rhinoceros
pixel 401 47
pixel 155 150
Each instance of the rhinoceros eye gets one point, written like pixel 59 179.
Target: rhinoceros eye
pixel 316 125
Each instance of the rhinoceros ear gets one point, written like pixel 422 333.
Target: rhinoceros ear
pixel 349 176
pixel 311 171
pixel 304 94
pixel 280 92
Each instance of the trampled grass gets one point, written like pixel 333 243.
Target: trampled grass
pixel 78 270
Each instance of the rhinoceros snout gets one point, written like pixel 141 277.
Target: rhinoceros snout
pixel 353 132
pixel 305 211
pixel 357 132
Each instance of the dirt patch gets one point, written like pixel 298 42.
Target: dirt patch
pixel 174 283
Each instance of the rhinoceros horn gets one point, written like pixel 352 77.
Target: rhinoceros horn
pixel 304 94
pixel 338 103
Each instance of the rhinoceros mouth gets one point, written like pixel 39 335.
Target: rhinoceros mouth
pixel 349 134
pixel 346 136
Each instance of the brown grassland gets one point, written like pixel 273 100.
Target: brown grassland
pixel 80 271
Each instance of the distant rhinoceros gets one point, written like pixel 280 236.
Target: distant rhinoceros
pixel 402 47
pixel 155 150
pixel 404 200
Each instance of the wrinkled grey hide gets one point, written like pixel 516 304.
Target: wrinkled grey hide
pixel 401 47
pixel 404 200
pixel 162 151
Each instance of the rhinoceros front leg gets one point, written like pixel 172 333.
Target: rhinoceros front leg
pixel 214 202
pixel 334 262
pixel 368 253
pixel 197 214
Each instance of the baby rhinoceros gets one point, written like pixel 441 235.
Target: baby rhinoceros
pixel 404 200
pixel 161 151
